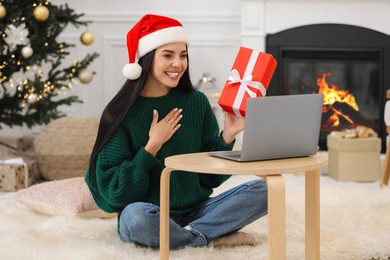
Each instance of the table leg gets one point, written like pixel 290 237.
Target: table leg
pixel 312 214
pixel 164 213
pixel 276 217
pixel 384 180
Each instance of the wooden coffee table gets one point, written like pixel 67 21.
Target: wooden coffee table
pixel 271 171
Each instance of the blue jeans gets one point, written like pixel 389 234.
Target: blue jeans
pixel 218 216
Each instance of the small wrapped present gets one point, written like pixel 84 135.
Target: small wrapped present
pixel 250 76
pixel 353 158
pixel 17 173
pixel 25 146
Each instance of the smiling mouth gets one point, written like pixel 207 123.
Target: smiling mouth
pixel 172 74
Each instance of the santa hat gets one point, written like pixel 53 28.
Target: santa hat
pixel 150 32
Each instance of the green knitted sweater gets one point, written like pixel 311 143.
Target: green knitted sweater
pixel 127 173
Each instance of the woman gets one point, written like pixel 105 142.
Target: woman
pixel 156 114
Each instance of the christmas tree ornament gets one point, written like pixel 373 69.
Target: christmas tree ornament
pixel 41 13
pixel 86 38
pixel 23 104
pixel 3 11
pixel 85 76
pixel 16 36
pixel 27 52
pixel 32 98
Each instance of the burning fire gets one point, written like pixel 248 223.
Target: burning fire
pixel 332 93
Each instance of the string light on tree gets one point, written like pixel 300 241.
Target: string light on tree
pixel 41 13
pixel 86 38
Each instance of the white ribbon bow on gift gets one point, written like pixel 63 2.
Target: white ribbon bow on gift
pixel 234 77
pixel 13 161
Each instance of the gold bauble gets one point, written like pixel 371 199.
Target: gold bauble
pixel 3 11
pixel 41 13
pixel 32 98
pixel 85 76
pixel 86 38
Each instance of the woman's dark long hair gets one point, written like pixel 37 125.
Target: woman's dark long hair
pixel 117 109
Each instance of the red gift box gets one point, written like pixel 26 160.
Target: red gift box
pixel 250 76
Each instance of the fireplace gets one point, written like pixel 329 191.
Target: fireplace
pixel 346 63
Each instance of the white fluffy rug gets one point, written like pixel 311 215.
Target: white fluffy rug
pixel 355 224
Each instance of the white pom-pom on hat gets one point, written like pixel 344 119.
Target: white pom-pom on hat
pixel 150 32
pixel 132 71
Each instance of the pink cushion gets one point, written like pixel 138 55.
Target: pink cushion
pixel 68 197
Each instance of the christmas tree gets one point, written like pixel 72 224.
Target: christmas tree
pixel 33 73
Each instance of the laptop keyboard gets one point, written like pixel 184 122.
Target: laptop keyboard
pixel 235 155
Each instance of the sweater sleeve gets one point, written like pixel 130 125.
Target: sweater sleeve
pixel 122 175
pixel 211 135
pixel 212 141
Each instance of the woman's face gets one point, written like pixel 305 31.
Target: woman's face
pixel 169 64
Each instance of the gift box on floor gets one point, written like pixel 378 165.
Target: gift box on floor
pixel 16 173
pixel 25 145
pixel 250 76
pixel 354 159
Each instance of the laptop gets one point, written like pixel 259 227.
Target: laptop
pixel 279 127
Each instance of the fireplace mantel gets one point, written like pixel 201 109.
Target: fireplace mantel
pixel 262 17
